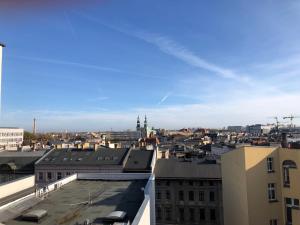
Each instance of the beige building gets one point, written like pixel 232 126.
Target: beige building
pixel 261 186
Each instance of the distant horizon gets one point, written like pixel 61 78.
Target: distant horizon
pixel 97 65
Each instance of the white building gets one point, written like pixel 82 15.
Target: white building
pixel 1 47
pixel 11 138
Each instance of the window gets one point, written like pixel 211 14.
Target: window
pixel 201 196
pixel 191 183
pixel 286 177
pixel 41 176
pixel 158 195
pixel 168 183
pixel 168 195
pixel 168 213
pixel 211 183
pixel 273 222
pixel 292 202
pixel 181 196
pixel 158 213
pixel 287 165
pixel 49 176
pixel 192 214
pixel 68 173
pixel 191 195
pixel 180 182
pixel 212 196
pixel 59 175
pixel 271 192
pixel 202 214
pixel 201 183
pixel 181 214
pixel 212 214
pixel 270 164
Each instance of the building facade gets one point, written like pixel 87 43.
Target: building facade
pixel 188 193
pixel 11 138
pixel 261 186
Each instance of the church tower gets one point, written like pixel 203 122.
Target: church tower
pixel 145 123
pixel 138 124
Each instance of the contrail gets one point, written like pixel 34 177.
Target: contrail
pixel 170 47
pixel 164 98
pixel 87 66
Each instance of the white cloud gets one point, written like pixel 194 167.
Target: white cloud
pixel 235 112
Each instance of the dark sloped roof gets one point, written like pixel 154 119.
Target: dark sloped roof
pixel 103 156
pixel 19 162
pixel 173 168
pixel 139 160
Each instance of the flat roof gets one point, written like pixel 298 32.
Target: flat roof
pixel 69 204
pixel 174 169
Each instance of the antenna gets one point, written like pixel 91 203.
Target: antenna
pixel 34 126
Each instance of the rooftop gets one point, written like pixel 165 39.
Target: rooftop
pixel 103 156
pixel 19 162
pixel 174 168
pixel 72 202
pixel 139 160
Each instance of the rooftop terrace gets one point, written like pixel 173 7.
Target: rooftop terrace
pixel 86 199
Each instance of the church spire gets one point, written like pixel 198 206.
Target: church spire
pixel 145 122
pixel 138 123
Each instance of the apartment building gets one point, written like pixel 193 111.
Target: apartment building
pixel 57 164
pixel 11 138
pixel 261 186
pixel 188 193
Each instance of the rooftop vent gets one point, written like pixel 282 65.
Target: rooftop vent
pixel 34 215
pixel 116 216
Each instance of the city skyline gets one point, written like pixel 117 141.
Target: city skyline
pixel 198 64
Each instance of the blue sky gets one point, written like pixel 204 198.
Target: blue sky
pixel 187 63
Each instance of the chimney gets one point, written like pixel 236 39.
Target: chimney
pixel 1 47
pixel 34 126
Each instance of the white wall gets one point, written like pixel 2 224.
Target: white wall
pixel 113 176
pixel 146 213
pixel 1 78
pixel 143 215
pixel 56 185
pixel 15 186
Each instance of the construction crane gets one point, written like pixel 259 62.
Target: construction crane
pixel 291 117
pixel 277 124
